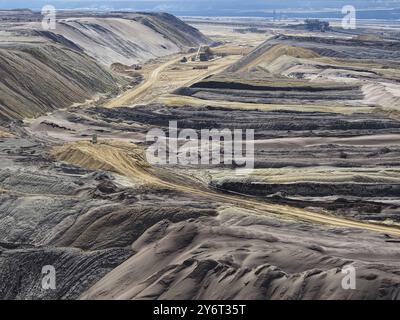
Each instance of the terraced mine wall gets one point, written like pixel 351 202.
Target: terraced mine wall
pixel 71 64
pixel 39 79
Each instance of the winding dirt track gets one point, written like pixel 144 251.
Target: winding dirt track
pixel 128 160
pixel 131 95
pixel 138 93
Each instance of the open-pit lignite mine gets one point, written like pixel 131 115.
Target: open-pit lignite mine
pixel 77 191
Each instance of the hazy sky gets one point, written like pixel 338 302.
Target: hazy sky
pixel 199 7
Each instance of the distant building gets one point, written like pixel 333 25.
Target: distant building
pixel 317 25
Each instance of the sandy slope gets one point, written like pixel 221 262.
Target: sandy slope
pixel 4 134
pixel 127 159
pixel 244 256
pixel 114 40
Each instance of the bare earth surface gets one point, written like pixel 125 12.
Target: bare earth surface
pixel 325 192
